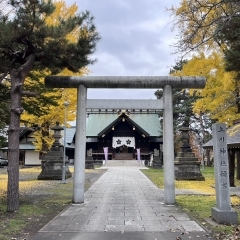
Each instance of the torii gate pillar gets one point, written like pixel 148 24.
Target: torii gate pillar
pixel 168 147
pixel 155 82
pixel 80 146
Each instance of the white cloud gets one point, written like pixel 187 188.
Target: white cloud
pixel 136 39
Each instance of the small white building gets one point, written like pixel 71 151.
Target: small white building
pixel 28 155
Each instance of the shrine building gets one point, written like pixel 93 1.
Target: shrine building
pixel 122 132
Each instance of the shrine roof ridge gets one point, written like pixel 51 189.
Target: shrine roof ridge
pixel 146 82
pixel 130 111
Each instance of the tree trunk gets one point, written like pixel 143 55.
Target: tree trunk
pixel 17 81
pixel 13 142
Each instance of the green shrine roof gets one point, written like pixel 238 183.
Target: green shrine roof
pixel 149 122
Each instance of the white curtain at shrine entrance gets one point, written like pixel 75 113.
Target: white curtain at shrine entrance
pixel 120 141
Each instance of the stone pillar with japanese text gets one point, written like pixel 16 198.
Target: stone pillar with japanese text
pixel 223 212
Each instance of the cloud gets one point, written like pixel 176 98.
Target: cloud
pixel 136 37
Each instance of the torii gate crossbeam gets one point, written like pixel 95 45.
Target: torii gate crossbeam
pixel 124 104
pixel 140 82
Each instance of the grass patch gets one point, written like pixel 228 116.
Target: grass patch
pixel 14 223
pixel 198 206
pixel 11 227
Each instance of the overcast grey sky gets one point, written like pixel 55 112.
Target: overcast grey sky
pixel 135 41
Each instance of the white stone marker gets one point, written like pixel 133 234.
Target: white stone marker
pixel 222 213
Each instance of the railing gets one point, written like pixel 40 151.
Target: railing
pixel 99 155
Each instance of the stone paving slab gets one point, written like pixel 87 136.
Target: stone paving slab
pixel 122 200
pixel 156 235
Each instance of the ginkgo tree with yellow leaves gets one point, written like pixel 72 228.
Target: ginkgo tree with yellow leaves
pixel 202 25
pixel 52 114
pixel 208 34
pixel 220 98
pixel 211 27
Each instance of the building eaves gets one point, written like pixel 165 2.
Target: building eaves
pixel 233 138
pixel 70 133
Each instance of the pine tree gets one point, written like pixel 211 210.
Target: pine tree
pixel 29 45
pixel 44 110
pixel 230 35
pixel 183 109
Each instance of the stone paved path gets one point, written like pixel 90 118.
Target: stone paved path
pixel 123 199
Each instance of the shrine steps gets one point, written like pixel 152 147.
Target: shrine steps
pixel 123 156
pixel 111 163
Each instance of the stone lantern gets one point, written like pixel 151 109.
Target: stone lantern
pixel 185 139
pixel 187 166
pixel 52 165
pixel 57 135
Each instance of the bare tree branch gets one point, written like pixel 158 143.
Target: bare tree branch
pixel 200 22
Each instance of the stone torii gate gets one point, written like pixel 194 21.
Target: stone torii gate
pixel 133 82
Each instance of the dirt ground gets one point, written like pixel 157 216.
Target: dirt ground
pixel 47 199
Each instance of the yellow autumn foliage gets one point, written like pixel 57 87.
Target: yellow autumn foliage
pixel 198 22
pixel 64 11
pixel 23 185
pixel 200 186
pixel 219 96
pixel 29 184
pixel 3 185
